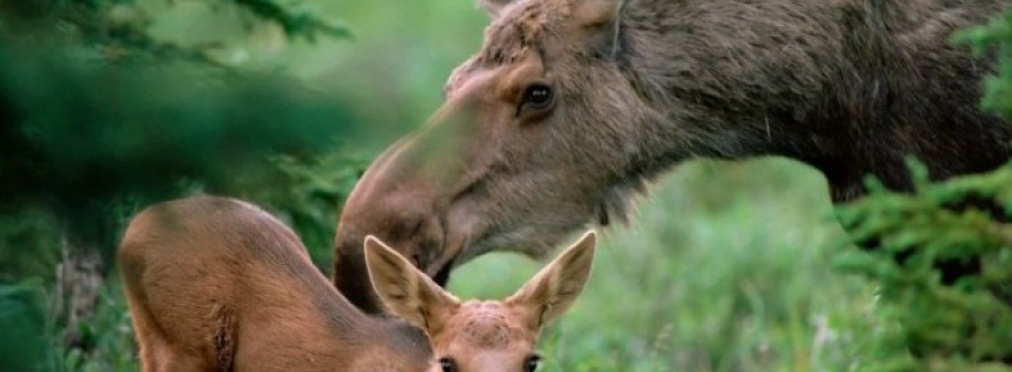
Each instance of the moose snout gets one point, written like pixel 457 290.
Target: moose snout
pixel 403 222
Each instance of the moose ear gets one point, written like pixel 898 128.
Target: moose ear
pixel 599 21
pixel 405 291
pixel 494 7
pixel 554 289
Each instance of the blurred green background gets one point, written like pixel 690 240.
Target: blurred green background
pixel 110 105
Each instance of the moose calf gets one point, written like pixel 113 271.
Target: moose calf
pixel 216 284
pixel 480 335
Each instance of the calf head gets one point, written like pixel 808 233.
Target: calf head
pixel 526 149
pixel 472 336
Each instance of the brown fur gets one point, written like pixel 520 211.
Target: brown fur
pixel 850 87
pixel 215 284
pixel 487 336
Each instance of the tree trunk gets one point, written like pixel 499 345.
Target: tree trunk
pixel 80 276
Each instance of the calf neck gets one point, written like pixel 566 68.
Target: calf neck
pixel 215 284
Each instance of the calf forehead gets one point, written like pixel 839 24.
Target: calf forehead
pixel 488 325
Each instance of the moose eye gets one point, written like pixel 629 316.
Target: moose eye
pixel 447 364
pixel 532 363
pixel 538 95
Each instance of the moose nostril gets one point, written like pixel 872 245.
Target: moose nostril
pixel 398 227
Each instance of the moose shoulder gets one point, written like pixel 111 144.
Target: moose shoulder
pixel 571 105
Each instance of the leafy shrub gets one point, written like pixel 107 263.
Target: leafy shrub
pixel 928 326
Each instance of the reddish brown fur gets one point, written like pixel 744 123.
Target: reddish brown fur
pixel 487 336
pixel 215 284
pixel 847 86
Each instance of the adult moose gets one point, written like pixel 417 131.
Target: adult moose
pixel 216 284
pixel 571 105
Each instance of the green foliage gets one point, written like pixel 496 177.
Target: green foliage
pixel 89 135
pixel 93 130
pixel 109 336
pixel 932 326
pixel 994 38
pixel 126 22
pixel 24 320
pixel 306 192
pixel 86 129
pixel 295 24
pixel 29 244
pixel 968 321
pixel 99 117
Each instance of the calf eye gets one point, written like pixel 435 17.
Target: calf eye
pixel 447 364
pixel 532 363
pixel 538 96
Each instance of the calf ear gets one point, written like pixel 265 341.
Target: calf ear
pixel 554 289
pixel 494 7
pixel 405 291
pixel 600 23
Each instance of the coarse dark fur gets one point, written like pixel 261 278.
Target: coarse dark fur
pixel 850 87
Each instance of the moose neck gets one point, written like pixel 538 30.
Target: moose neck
pixel 849 100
